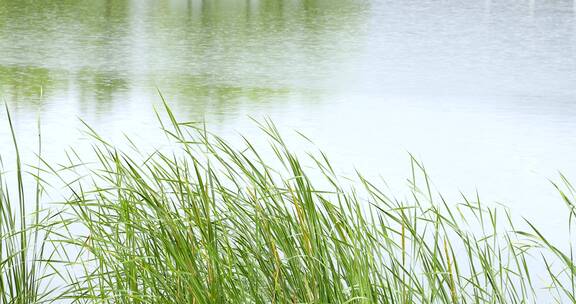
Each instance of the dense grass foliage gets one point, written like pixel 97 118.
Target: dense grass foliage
pixel 207 222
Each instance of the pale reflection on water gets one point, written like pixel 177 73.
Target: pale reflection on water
pixel 483 92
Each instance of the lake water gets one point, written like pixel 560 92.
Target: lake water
pixel 483 92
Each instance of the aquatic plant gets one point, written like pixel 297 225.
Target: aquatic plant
pixel 24 277
pixel 208 222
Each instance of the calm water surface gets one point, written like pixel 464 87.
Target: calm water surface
pixel 483 92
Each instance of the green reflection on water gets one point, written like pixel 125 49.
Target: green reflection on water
pixel 211 53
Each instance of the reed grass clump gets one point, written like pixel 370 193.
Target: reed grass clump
pixel 207 222
pixel 25 275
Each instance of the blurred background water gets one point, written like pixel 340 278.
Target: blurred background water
pixel 483 92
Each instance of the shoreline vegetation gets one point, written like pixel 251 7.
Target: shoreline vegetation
pixel 213 223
